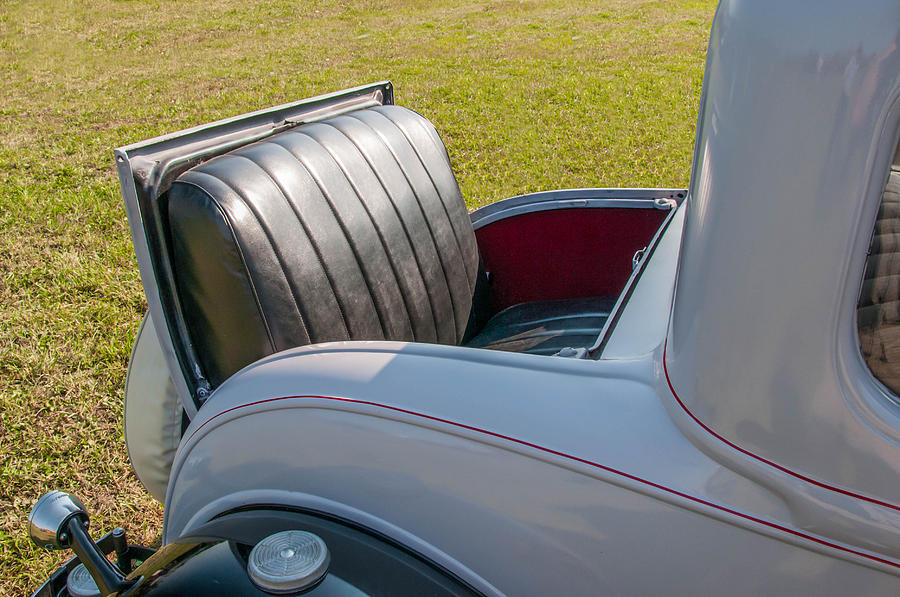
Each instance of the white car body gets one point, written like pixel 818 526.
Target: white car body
pixel 729 439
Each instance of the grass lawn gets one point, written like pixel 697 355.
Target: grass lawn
pixel 528 96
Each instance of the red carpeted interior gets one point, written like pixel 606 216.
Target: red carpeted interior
pixel 564 253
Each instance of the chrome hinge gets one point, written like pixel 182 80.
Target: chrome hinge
pixel 203 387
pixel 664 203
pixel 572 353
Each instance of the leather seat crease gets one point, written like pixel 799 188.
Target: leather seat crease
pixel 353 228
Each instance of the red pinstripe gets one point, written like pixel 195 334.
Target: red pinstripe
pixel 608 469
pixel 765 460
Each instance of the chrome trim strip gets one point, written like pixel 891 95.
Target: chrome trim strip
pixel 575 199
pixel 148 280
pixel 293 112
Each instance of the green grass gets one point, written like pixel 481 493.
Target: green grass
pixel 527 95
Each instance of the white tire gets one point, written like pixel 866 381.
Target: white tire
pixel 153 412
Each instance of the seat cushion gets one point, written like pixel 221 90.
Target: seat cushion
pixel 545 327
pixel 352 228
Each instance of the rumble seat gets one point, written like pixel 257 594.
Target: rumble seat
pixel 353 228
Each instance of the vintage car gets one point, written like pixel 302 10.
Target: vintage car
pixel 348 385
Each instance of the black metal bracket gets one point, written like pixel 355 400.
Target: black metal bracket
pixel 127 557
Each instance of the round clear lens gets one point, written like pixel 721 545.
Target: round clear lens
pixel 288 562
pixel 80 584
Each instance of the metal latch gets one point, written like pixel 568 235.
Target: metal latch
pixel 636 258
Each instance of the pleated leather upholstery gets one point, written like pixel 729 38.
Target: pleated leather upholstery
pixel 546 327
pixel 878 312
pixel 353 228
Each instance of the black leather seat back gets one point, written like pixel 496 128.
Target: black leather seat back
pixel 353 228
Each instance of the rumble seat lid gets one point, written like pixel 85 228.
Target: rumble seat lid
pixel 147 168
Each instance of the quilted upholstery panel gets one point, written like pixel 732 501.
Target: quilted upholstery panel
pixel 351 228
pixel 879 302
